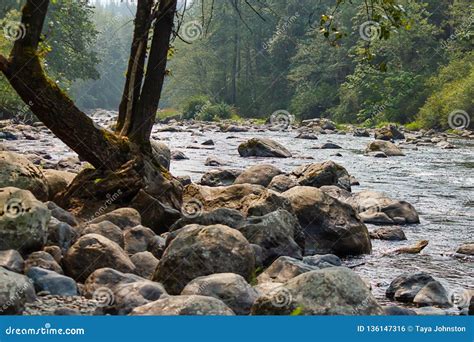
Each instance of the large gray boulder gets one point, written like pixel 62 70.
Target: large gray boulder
pixel 283 269
pixel 92 252
pixel 258 174
pixel 17 171
pixel 201 251
pixel 123 218
pixel 12 261
pixel 23 220
pixel 262 147
pixel 15 291
pixel 220 177
pixel 330 291
pixel 330 226
pixel 232 289
pixel 228 217
pixel 390 149
pixel 185 306
pixel 321 174
pixel 405 287
pixel 161 153
pixel 53 283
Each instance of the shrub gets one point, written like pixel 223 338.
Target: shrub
pixel 211 112
pixel 193 106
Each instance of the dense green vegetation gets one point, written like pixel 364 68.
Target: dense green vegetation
pixel 303 56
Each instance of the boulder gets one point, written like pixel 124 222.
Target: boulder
pixel 281 183
pixel 61 234
pixel 405 287
pixel 398 311
pixel 184 305
pixel 232 289
pixel 53 283
pixel 62 215
pixel 330 291
pixel 145 264
pixel 467 248
pixel 201 251
pixel 307 136
pixel 323 261
pixel 283 269
pixel 161 153
pixel 123 218
pixel 388 233
pixel 12 261
pixel 138 239
pixel 220 177
pixel 178 155
pixel 107 278
pixel 263 147
pixel 329 146
pixel 44 260
pixel 390 149
pixel 258 174
pixel 433 294
pixel 330 226
pixel 389 132
pixel 17 171
pixel 15 291
pixel 276 234
pixel 23 221
pixel 107 229
pixel 361 132
pixel 57 181
pixel 92 252
pixel 213 161
pixel 320 174
pixel 228 217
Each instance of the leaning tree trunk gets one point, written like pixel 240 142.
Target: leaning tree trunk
pixel 126 170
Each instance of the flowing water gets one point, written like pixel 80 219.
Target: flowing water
pixel 437 182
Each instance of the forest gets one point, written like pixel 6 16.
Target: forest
pixel 250 61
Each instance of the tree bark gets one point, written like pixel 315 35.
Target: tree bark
pixel 144 118
pixel 53 107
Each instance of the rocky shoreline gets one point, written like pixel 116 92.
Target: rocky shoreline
pixel 258 240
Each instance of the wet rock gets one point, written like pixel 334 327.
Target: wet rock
pixel 184 180
pixel 12 261
pixel 405 287
pixel 307 136
pixel 17 171
pixel 330 291
pixel 55 252
pixel 323 261
pixel 178 155
pixel 123 218
pixel 236 129
pixel 127 297
pixel 262 147
pixel 467 248
pixel 377 208
pixel 281 183
pixel 360 132
pixel 258 174
pixel 61 234
pixel 430 311
pixel 145 264
pixel 220 177
pixel 213 161
pixel 208 142
pixel 232 289
pixel 432 294
pixel 57 181
pixel 329 146
pixel 92 252
pixel 107 278
pixel 336 192
pixel 161 153
pixel 15 291
pixel 276 233
pixel 398 311
pixel 61 214
pixel 388 133
pixel 138 239
pixel 330 226
pixel 283 269
pixel 228 217
pixel 107 229
pixel 23 221
pixel 5 135
pixel 320 174
pixel 52 282
pixel 390 149
pixel 43 260
pixel 202 251
pixel 184 305
pixel 157 246
pixel 389 233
